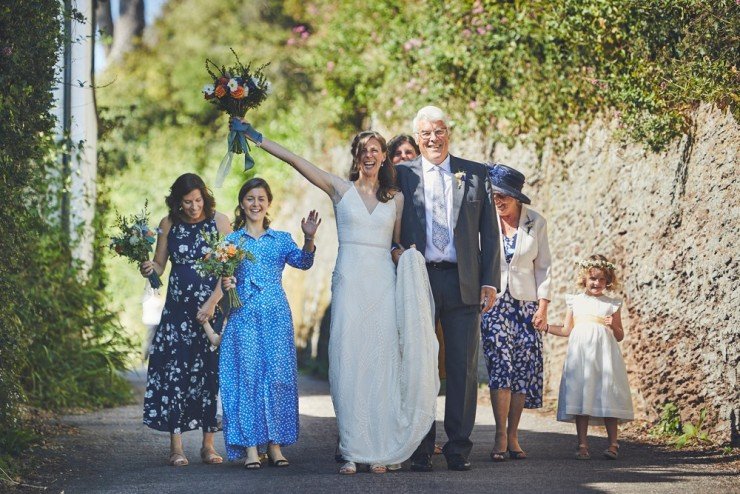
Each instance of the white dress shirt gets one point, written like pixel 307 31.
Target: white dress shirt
pixel 431 174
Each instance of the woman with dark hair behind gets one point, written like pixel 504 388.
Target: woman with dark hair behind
pixel 402 148
pixel 258 366
pixel 182 379
pixel 384 398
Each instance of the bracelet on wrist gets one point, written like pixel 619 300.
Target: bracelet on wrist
pixel 547 328
pixel 307 238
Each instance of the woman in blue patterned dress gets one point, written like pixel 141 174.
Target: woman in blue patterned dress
pixel 258 367
pixel 182 379
pixel 512 344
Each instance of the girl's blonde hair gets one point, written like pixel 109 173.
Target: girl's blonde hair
pixel 597 261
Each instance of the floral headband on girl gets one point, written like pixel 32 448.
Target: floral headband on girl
pixel 595 264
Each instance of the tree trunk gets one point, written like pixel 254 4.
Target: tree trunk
pixel 130 25
pixel 104 20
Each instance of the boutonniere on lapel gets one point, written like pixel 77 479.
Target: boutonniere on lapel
pixel 461 177
pixel 528 224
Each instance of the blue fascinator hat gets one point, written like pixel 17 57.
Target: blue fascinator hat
pixel 507 181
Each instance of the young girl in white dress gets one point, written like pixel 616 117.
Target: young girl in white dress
pixel 594 386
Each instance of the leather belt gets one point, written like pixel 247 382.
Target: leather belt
pixel 442 265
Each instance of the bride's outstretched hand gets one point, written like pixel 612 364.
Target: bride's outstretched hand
pixel 311 224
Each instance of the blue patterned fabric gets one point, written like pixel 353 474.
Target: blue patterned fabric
pixel 258 368
pixel 511 345
pixel 182 379
pixel 509 247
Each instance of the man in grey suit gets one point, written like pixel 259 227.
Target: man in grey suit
pixel 449 217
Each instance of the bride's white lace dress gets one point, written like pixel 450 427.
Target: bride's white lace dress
pixel 382 347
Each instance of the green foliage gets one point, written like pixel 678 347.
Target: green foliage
pixel 533 67
pixel 678 433
pixel 26 73
pixel 78 346
pixel 59 345
pixel 670 421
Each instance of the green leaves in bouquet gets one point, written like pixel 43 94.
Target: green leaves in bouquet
pixel 136 239
pixel 236 88
pixel 223 256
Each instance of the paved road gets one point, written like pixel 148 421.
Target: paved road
pixel 115 453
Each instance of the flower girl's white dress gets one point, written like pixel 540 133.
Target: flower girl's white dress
pixel 594 381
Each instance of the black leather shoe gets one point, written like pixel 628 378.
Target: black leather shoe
pixel 458 463
pixel 422 463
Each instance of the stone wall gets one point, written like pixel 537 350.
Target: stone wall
pixel 670 222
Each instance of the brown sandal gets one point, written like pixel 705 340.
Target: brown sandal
pixel 178 460
pixel 612 452
pixel 210 457
pixel 582 453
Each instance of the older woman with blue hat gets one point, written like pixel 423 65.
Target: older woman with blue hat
pixel 511 343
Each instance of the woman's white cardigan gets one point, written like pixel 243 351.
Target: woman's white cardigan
pixel 528 274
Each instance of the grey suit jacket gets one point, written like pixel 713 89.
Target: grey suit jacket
pixel 475 230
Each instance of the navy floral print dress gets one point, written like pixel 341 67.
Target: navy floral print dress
pixel 511 345
pixel 259 372
pixel 182 380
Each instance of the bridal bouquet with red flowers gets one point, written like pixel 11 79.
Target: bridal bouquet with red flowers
pixel 235 90
pixel 136 240
pixel 222 259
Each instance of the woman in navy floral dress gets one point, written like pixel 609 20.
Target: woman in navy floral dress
pixel 182 379
pixel 512 345
pixel 258 367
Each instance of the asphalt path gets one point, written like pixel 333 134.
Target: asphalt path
pixel 112 452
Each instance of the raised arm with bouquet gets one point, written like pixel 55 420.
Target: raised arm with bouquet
pixel 235 90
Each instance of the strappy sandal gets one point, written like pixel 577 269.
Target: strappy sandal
pixel 210 457
pixel 349 468
pixel 178 460
pixel 252 465
pixel 378 468
pixel 582 453
pixel 277 463
pixel 498 456
pixel 437 449
pixel 612 452
pixel 517 455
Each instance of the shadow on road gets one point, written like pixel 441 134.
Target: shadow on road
pixel 115 453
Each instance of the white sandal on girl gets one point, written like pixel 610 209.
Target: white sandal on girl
pixel 349 468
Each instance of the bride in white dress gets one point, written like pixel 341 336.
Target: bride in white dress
pixel 382 347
